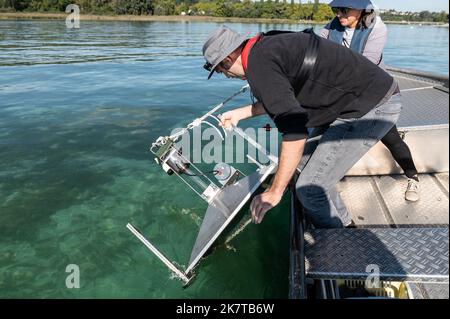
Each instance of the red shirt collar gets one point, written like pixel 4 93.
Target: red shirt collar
pixel 248 46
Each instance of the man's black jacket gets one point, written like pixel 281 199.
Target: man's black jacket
pixel 342 84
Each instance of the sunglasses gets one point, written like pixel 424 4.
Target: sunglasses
pixel 343 10
pixel 208 66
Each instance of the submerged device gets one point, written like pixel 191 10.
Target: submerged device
pixel 225 196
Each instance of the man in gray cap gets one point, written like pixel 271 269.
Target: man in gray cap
pixel 302 81
pixel 220 49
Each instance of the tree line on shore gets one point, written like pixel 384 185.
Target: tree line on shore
pixel 269 9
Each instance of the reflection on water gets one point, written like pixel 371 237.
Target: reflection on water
pixel 50 42
pixel 78 110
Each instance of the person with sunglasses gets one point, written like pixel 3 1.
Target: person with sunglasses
pixel 358 27
pixel 303 81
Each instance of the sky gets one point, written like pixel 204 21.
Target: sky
pixel 405 5
pixel 413 5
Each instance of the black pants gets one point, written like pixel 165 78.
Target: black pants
pixel 400 151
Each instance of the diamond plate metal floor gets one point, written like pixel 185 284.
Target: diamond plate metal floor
pixel 427 290
pixel 379 200
pixel 413 254
pixel 431 209
pixel 419 94
pixel 408 241
pixel 401 252
pixel 443 180
pixel 435 103
pixel 360 198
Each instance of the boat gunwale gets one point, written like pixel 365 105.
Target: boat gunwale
pixel 424 74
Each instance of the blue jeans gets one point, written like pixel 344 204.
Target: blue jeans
pixel 330 152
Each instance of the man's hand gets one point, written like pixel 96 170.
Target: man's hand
pixel 263 203
pixel 291 153
pixel 230 119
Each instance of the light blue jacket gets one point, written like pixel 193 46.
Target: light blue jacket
pixel 369 42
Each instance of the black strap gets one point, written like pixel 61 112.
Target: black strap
pixel 310 58
pixel 310 55
pixel 276 32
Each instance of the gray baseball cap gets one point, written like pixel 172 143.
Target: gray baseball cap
pixel 220 43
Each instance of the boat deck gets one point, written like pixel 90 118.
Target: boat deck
pixel 425 100
pixel 375 200
pixel 379 200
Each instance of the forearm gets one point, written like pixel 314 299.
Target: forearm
pixel 291 153
pixel 251 110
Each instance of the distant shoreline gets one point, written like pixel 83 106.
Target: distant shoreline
pixel 174 18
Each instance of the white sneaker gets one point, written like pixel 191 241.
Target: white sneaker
pixel 412 190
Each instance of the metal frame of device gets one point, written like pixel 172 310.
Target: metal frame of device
pixel 224 202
